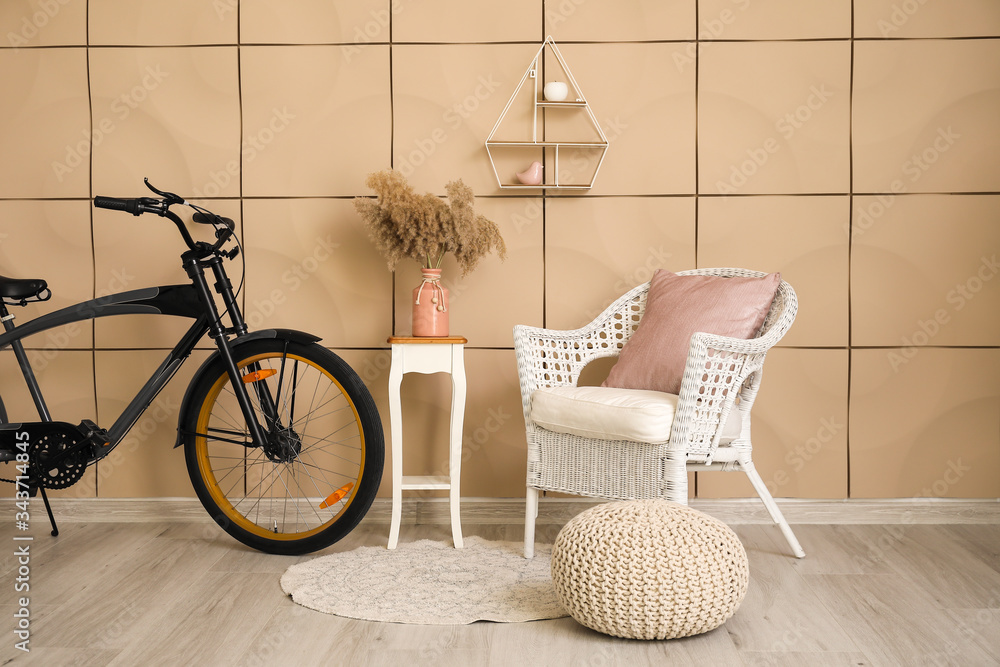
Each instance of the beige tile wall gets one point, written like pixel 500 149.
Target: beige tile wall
pixel 853 146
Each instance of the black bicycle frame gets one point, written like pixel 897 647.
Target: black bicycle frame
pixel 192 301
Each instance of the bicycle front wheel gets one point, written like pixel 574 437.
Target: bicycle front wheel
pixel 316 475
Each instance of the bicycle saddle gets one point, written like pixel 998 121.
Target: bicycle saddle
pixel 22 288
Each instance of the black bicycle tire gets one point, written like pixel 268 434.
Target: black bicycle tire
pixel 367 416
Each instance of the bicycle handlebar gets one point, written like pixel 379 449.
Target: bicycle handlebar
pixel 223 226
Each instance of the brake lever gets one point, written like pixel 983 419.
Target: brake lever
pixel 169 197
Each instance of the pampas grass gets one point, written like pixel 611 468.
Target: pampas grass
pixel 424 228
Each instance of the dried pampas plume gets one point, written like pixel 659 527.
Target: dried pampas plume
pixel 405 225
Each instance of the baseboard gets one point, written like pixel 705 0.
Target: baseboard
pixel 561 510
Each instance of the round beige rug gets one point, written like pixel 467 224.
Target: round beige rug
pixel 429 583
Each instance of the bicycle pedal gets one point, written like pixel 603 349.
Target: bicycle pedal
pixel 94 433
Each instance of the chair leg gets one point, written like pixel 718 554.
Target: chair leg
pixel 530 513
pixel 676 477
pixel 772 508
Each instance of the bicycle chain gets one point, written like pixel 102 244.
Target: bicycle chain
pixel 9 481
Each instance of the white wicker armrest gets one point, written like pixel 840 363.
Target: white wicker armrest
pixel 718 370
pixel 713 377
pixel 555 358
pixel 551 358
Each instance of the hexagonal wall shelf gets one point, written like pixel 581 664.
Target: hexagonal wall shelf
pixel 581 152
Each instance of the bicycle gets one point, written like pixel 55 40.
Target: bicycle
pixel 282 440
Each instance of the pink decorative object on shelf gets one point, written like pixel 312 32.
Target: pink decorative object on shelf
pixel 532 175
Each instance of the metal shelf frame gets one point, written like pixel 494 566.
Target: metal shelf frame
pixel 580 102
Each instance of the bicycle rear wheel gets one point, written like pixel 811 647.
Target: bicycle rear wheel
pixel 318 473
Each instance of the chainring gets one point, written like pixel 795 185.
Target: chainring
pixel 64 474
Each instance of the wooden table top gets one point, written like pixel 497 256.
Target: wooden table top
pixel 428 340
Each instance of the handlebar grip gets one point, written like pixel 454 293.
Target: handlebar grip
pixel 212 219
pixel 112 203
pixel 115 204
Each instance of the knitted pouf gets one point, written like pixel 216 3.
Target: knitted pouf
pixel 649 569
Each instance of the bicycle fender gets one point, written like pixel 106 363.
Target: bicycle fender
pixel 290 334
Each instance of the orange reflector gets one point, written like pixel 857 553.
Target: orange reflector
pixel 336 495
pixel 258 375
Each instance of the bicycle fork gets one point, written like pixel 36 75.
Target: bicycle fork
pixel 194 266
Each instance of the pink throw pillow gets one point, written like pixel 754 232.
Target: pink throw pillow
pixel 678 307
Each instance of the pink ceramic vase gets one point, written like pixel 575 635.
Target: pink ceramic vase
pixel 430 305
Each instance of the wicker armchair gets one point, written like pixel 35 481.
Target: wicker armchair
pixel 702 436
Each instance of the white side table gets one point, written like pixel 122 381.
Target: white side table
pixel 427 355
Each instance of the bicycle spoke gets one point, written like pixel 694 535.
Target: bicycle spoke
pixel 341 458
pixel 240 479
pixel 312 412
pixel 281 379
pixel 256 506
pixel 295 382
pixel 295 505
pixel 312 401
pixel 332 472
pixel 332 449
pixel 234 422
pixel 249 491
pixel 340 441
pixel 315 511
pixel 283 407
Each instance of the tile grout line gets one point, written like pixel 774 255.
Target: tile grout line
pixel 511 347
pixel 697 179
pixel 850 254
pixel 93 240
pixel 239 98
pixel 392 165
pixel 239 92
pixel 651 195
pixel 949 38
pixel 545 200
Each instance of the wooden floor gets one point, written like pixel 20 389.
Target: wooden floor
pixel 186 594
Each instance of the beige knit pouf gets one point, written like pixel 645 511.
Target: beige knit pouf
pixel 649 569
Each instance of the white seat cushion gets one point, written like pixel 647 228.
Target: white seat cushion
pixel 606 413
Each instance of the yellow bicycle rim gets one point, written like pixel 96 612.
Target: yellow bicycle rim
pixel 208 474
